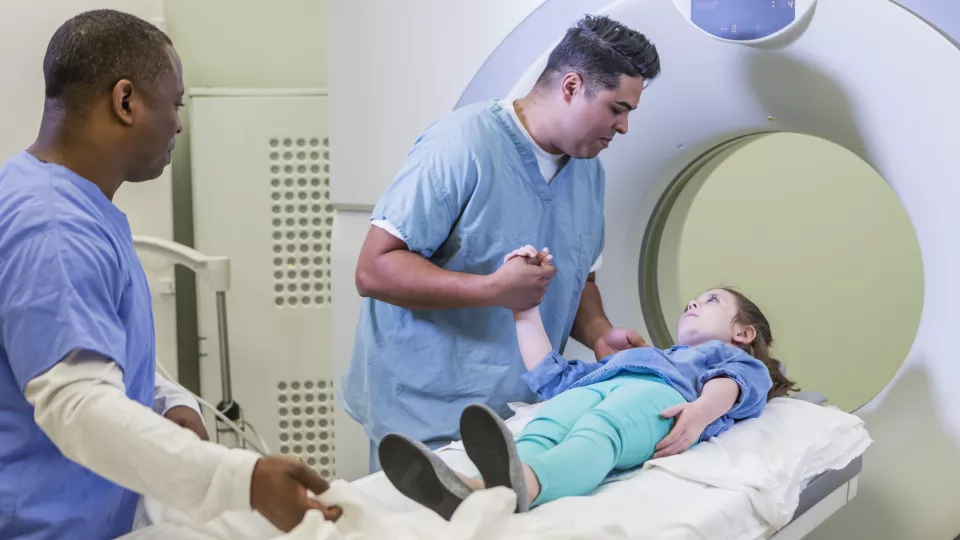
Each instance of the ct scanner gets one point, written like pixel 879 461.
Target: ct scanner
pixel 869 75
pixel 874 76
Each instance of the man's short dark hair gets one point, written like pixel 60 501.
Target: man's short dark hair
pixel 93 51
pixel 601 50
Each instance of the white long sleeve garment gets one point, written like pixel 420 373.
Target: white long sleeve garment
pixel 168 395
pixel 81 405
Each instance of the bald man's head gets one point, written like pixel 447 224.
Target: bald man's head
pixel 91 52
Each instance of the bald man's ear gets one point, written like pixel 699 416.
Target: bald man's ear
pixel 123 101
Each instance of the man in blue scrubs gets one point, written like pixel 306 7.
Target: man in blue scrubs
pixel 436 331
pixel 79 438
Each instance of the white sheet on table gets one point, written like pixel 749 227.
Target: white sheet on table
pixel 772 458
pixel 743 485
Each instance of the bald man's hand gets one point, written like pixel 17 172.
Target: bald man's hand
pixel 188 418
pixel 278 491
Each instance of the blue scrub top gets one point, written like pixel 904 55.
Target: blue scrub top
pixel 470 192
pixel 69 279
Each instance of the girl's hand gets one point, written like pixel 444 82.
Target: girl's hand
pixel 716 398
pixel 692 419
pixel 527 251
pixel 531 254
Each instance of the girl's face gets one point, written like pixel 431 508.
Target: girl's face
pixel 711 317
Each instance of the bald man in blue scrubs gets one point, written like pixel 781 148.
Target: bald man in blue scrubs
pixel 80 440
pixel 436 330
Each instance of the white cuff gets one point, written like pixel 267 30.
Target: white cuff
pixel 387 226
pixel 230 488
pixel 597 264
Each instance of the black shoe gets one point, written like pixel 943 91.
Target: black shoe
pixel 492 449
pixel 420 475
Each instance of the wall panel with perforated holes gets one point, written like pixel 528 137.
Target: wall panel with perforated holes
pixel 261 176
pixel 303 220
pixel 305 412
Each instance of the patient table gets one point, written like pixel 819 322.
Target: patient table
pixel 776 476
pixel 823 496
pixel 824 492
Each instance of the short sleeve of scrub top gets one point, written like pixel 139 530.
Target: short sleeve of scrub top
pixel 426 197
pixel 59 293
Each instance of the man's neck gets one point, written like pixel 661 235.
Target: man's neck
pixel 533 114
pixel 62 144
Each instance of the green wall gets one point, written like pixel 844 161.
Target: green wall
pixel 250 43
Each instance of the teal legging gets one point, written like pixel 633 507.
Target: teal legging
pixel 583 434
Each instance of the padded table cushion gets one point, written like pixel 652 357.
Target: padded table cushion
pixel 825 484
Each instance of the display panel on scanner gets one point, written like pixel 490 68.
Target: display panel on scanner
pixel 742 19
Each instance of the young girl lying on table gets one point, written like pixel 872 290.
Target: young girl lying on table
pixel 614 414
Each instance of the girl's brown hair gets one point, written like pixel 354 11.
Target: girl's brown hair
pixel 750 315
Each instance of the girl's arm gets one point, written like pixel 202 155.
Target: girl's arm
pixel 734 387
pixel 534 343
pixel 548 373
pixel 717 397
pixel 749 374
pixel 532 337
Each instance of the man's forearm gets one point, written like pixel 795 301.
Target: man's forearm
pixel 591 322
pixel 81 408
pixel 406 279
pixel 168 394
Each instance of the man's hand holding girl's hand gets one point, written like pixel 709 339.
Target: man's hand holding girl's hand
pixel 521 282
pixel 528 259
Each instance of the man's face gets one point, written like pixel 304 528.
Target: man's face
pixel 593 118
pixel 158 123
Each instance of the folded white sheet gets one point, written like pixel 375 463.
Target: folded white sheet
pixel 772 458
pixel 742 485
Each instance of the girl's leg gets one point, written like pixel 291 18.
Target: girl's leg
pixel 473 482
pixel 620 432
pixel 577 464
pixel 499 459
pixel 635 410
pixel 555 420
